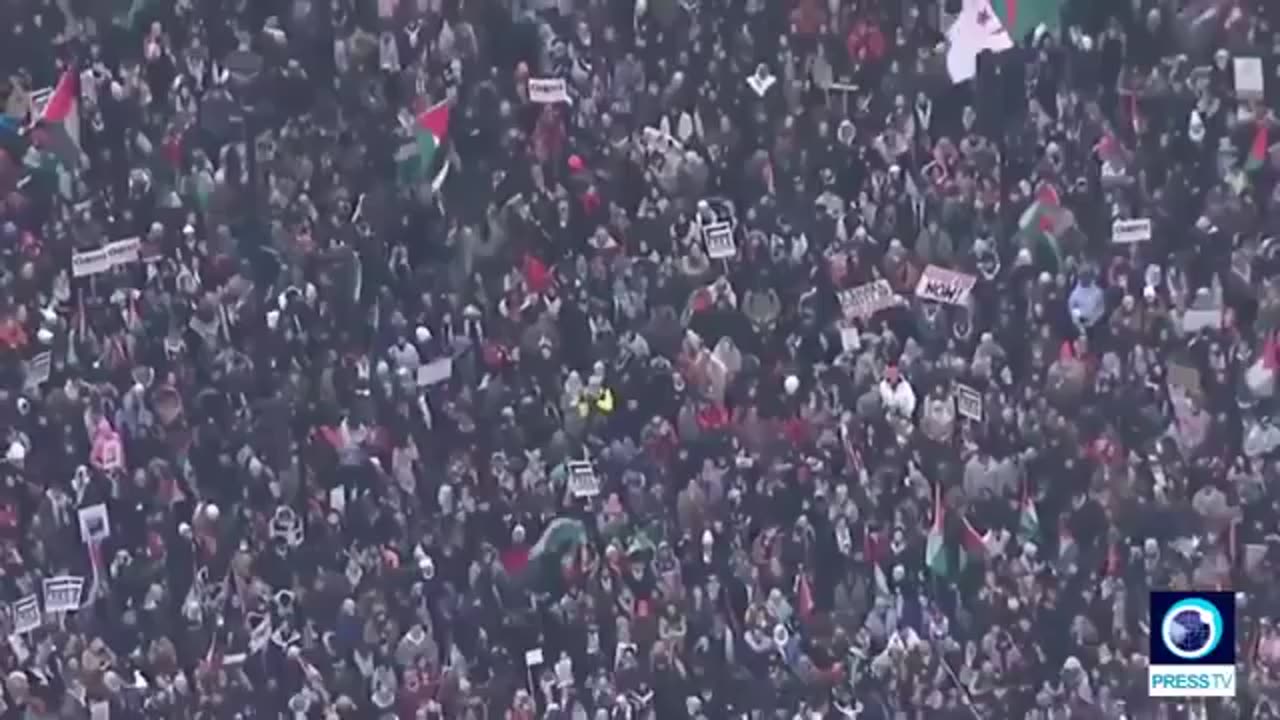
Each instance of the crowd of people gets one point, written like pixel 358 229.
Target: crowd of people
pixel 633 360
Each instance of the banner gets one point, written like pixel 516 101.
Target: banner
pixel 1250 80
pixel 945 286
pixel 38 369
pixel 583 482
pixel 969 403
pixel 548 91
pixel 1124 232
pixel 718 238
pixel 62 593
pixel 26 615
pixel 867 300
pixel 92 262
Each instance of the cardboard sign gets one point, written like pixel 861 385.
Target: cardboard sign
pixel 969 403
pixel 867 300
pixel 1249 78
pixel 435 372
pixel 26 615
pixel 95 524
pixel 583 482
pixel 1125 232
pixel 548 91
pixel 534 657
pixel 62 593
pixel 1185 378
pixel 1196 319
pixel 945 286
pixel 718 238
pixel 92 262
pixel 38 369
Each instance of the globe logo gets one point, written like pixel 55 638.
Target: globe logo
pixel 1191 629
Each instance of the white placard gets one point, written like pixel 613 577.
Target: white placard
pixel 38 369
pixel 95 524
pixel 583 482
pixel 1249 77
pixel 969 403
pixel 533 658
pixel 92 262
pixel 100 710
pixel 939 284
pixel 548 91
pixel 62 593
pixel 1194 321
pixel 1124 232
pixel 850 340
pixel 259 631
pixel 26 615
pixel 867 300
pixel 719 241
pixel 435 372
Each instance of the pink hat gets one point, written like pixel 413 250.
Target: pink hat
pixel 575 163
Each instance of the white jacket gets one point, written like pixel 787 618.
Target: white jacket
pixel 900 398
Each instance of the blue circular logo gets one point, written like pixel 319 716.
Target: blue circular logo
pixel 1191 629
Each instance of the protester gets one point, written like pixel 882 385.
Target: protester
pixel 654 359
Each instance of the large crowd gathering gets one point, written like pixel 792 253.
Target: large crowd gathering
pixel 634 359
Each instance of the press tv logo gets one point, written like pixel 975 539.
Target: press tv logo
pixel 1193 648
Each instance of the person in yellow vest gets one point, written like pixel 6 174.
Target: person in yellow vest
pixel 596 396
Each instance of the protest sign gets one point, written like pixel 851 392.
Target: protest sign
pixel 1250 80
pixel 92 262
pixel 548 91
pixel 867 300
pixel 583 482
pixel 95 525
pixel 435 372
pixel 38 369
pixel 26 615
pixel 260 629
pixel 62 593
pixel 969 403
pixel 719 241
pixel 1124 232
pixel 945 286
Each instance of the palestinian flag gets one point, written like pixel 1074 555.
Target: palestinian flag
pixel 935 548
pixel 1028 518
pixel 973 545
pixel 1044 220
pixel 1257 156
pixel 56 119
pixel 558 541
pixel 416 160
pixel 1020 18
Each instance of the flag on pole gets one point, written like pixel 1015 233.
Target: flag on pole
pixel 1135 115
pixel 1257 150
pixel 1020 18
pixel 547 556
pixel 973 545
pixel 935 549
pixel 57 120
pixel 430 130
pixel 804 597
pixel 1044 219
pixel 1028 518
pixel 976 29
